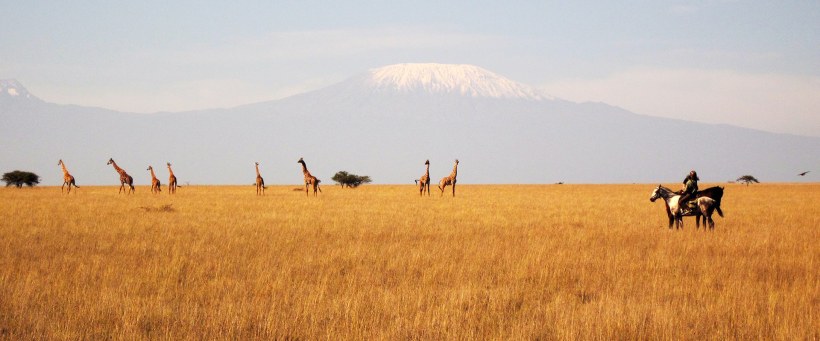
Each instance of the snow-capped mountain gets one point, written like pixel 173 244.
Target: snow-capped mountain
pixel 11 88
pixel 384 123
pixel 446 79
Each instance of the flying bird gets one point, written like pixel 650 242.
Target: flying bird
pixel 804 173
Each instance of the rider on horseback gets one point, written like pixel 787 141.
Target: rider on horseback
pixel 690 187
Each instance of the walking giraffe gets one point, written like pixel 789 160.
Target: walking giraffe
pixel 68 179
pixel 260 183
pixel 424 181
pixel 449 180
pixel 124 177
pixel 156 187
pixel 310 180
pixel 172 180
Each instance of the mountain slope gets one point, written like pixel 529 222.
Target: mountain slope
pixel 385 123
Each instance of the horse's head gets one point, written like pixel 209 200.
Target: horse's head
pixel 655 194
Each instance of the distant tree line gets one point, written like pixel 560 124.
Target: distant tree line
pixel 747 179
pixel 350 180
pixel 19 178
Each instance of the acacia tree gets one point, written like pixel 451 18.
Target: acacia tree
pixel 20 178
pixel 350 180
pixel 747 179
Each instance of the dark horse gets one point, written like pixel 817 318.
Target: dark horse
pixel 677 213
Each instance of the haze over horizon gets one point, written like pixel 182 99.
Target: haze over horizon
pixel 751 64
pixel 382 122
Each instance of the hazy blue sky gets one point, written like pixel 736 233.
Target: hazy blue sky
pixel 751 63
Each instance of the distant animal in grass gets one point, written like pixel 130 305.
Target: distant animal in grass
pixel 124 178
pixel 156 187
pixel 424 181
pixel 310 180
pixel 260 183
pixel 68 179
pixel 449 180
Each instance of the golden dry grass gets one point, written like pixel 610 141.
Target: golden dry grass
pixel 378 262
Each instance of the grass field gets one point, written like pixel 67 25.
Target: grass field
pixel 378 262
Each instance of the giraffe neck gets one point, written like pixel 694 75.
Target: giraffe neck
pixel 152 173
pixel 304 169
pixel 117 168
pixel 65 171
pixel 257 171
pixel 427 171
pixel 171 171
pixel 454 172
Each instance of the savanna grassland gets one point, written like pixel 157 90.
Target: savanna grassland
pixel 379 262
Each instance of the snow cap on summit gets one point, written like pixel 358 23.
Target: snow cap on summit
pixel 13 88
pixel 465 80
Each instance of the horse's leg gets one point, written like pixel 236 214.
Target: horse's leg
pixel 711 221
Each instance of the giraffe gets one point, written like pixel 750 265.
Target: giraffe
pixel 449 180
pixel 172 180
pixel 124 178
pixel 156 187
pixel 424 181
pixel 260 183
pixel 310 180
pixel 68 179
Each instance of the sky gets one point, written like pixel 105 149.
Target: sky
pixel 754 64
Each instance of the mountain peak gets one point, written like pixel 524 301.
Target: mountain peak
pixel 11 88
pixel 465 80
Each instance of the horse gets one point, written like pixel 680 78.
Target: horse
pixel 707 201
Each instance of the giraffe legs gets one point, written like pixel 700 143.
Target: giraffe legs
pixel 443 185
pixel 130 182
pixel 424 185
pixel 315 185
